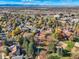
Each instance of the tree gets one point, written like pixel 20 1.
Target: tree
pixel 0 29
pixel 25 44
pixel 21 40
pixel 30 49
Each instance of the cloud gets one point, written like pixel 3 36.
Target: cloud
pixel 12 2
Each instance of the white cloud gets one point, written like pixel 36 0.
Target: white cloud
pixel 26 0
pixel 11 2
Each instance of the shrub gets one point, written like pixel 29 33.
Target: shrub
pixel 70 45
pixel 76 39
pixel 54 56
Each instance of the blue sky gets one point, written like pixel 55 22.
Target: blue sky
pixel 42 2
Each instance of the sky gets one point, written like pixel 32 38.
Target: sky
pixel 42 2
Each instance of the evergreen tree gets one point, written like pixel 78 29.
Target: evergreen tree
pixel 25 44
pixel 0 29
pixel 30 48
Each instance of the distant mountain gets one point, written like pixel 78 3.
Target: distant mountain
pixel 8 5
pixel 14 5
pixel 26 6
pixel 36 6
